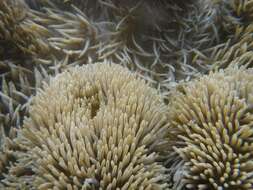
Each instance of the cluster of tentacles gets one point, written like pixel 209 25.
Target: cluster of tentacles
pixel 126 94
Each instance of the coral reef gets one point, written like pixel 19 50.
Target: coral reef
pixel 211 120
pixel 195 55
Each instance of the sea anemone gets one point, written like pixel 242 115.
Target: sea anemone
pixel 171 45
pixel 19 77
pixel 5 156
pixel 211 122
pixel 159 48
pixel 17 28
pixel 236 44
pixel 95 126
pixel 18 85
pixel 8 160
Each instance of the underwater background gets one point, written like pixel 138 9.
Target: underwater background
pixel 126 94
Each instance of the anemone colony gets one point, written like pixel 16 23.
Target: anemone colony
pixel 126 94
